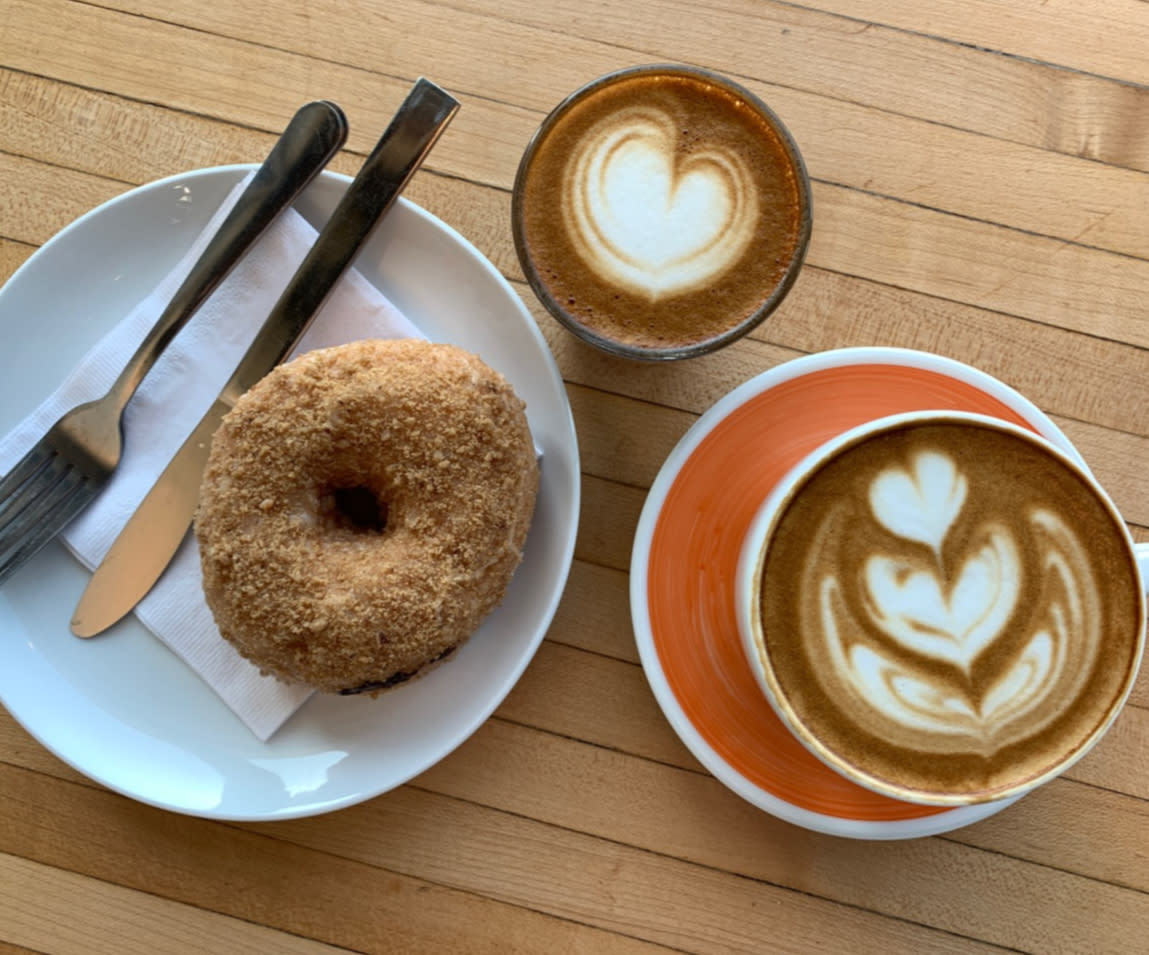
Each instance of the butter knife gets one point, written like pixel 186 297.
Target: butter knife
pixel 155 531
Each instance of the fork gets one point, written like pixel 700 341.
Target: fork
pixel 73 462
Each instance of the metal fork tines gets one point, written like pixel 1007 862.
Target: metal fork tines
pixel 73 462
pixel 50 485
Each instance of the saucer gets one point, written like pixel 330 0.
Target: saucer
pixel 685 559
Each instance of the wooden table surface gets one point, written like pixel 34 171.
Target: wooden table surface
pixel 981 181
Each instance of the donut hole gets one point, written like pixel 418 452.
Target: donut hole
pixel 357 509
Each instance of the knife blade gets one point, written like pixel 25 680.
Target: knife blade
pixel 156 529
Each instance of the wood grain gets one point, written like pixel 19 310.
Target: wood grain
pixel 843 58
pixel 48 909
pixel 867 63
pixel 880 151
pixel 295 889
pixel 981 177
pixel 712 827
pixel 1107 39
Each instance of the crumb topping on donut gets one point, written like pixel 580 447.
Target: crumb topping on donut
pixel 363 509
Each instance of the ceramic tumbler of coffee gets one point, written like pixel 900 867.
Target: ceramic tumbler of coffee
pixel 660 212
pixel 943 607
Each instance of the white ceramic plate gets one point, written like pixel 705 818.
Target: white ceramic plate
pixel 121 708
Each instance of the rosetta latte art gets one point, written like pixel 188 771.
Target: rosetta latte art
pixel 647 218
pixel 914 646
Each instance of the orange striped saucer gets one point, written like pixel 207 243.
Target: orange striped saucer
pixel 685 558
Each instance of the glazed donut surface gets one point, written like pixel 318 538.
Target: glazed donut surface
pixel 363 509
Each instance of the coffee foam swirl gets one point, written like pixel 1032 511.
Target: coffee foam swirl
pixel 650 218
pixel 905 642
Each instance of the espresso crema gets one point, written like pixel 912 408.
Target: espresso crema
pixel 660 209
pixel 949 609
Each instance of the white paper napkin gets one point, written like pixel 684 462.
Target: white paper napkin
pixel 170 402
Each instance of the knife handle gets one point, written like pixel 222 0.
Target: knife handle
pixel 315 134
pixel 417 125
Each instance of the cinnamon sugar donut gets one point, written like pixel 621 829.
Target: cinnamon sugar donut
pixel 363 509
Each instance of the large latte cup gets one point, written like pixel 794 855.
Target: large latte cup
pixel 943 607
pixel 660 212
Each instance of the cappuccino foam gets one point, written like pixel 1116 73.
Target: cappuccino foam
pixel 660 210
pixel 644 225
pixel 949 609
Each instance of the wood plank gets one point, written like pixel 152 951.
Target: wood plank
pixel 536 66
pixel 544 52
pixel 19 748
pixel 300 892
pixel 51 910
pixel 1063 372
pixel 692 817
pixel 12 255
pixel 942 256
pixel 595 699
pixel 245 84
pixel 604 882
pixel 607 520
pixel 606 701
pixel 1063 825
pixel 1070 375
pixel 38 200
pixel 1113 457
pixel 610 447
pixel 452 849
pixel 629 440
pixel 7 949
pixel 594 613
pixel 1047 828
pixel 844 143
pixel 969 174
pixel 691 386
pixel 136 142
pixel 1042 279
pixel 34 108
pixel 589 698
pixel 52 123
pixel 1120 762
pixel 115 138
pixel 1000 269
pixel 1106 37
pixel 893 70
pixel 600 700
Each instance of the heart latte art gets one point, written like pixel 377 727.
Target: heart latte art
pixel 948 605
pixel 661 208
pixel 647 218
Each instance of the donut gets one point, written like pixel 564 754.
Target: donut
pixel 363 509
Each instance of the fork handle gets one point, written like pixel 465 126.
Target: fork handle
pixel 314 135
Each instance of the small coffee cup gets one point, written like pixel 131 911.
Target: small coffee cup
pixel 943 607
pixel 661 212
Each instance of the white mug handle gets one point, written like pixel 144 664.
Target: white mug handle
pixel 1141 552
